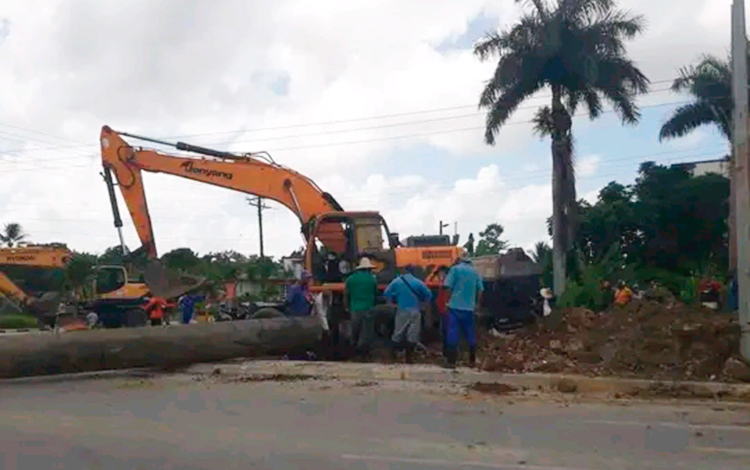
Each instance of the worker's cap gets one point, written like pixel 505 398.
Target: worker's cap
pixel 546 292
pixel 365 263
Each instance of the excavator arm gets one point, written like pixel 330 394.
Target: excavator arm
pixel 255 174
pixel 32 256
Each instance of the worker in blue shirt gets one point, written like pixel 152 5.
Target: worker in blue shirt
pixel 187 305
pixel 299 299
pixel 464 285
pixel 407 293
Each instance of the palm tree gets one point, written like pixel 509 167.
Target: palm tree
pixel 710 84
pixel 576 49
pixel 12 234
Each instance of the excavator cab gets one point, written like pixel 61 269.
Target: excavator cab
pixel 113 282
pixel 338 240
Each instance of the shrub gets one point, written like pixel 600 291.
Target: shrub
pixel 9 322
pixel 586 292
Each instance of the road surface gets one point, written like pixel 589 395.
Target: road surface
pixel 216 422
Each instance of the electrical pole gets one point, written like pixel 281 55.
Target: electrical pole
pixel 258 202
pixel 442 226
pixel 742 169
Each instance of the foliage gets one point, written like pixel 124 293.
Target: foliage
pixel 710 84
pixel 667 220
pixel 587 291
pixel 542 255
pixel 489 241
pixel 12 234
pixel 79 271
pixel 576 48
pixel 9 322
pixel 181 259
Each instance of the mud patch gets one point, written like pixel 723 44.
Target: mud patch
pixel 272 378
pixel 494 388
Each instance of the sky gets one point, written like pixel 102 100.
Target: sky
pixel 375 100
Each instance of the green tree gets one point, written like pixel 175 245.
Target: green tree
pixel 576 49
pixel 489 241
pixel 181 259
pixel 79 270
pixel 542 255
pixel 668 220
pixel 12 234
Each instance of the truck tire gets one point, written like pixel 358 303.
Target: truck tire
pixel 267 312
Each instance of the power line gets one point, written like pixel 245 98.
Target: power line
pixel 385 116
pixel 378 139
pixel 445 185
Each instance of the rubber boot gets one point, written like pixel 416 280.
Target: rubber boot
pixel 450 358
pixel 394 352
pixel 473 357
pixel 409 353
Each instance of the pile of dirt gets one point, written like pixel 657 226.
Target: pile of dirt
pixel 664 341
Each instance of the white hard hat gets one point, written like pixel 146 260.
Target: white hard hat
pixel 365 263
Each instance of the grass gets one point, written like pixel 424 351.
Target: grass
pixel 9 322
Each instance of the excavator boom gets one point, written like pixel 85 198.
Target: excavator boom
pixel 38 256
pixel 251 174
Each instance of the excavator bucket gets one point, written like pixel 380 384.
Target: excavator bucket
pixel 46 305
pixel 8 306
pixel 168 284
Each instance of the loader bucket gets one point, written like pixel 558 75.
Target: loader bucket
pixel 169 284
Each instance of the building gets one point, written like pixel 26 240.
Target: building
pixel 719 166
pixel 294 265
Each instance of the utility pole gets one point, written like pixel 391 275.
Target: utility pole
pixel 742 169
pixel 258 202
pixel 442 226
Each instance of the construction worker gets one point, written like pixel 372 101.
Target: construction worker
pixel 187 305
pixel 441 305
pixel 155 308
pixel 623 294
pixel 299 299
pixel 465 286
pixel 407 292
pixel 360 292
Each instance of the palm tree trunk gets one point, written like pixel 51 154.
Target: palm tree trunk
pixel 560 159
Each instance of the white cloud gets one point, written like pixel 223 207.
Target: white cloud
pixel 186 67
pixel 586 166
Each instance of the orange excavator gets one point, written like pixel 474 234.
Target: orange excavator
pixel 336 239
pixel 33 256
pixel 114 297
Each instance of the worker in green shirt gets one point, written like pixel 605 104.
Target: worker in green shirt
pixel 360 291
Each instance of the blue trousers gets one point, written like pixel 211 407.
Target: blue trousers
pixel 187 315
pixel 461 322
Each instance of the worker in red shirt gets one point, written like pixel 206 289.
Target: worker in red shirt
pixel 155 307
pixel 441 304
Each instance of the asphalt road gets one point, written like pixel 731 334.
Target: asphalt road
pixel 178 422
